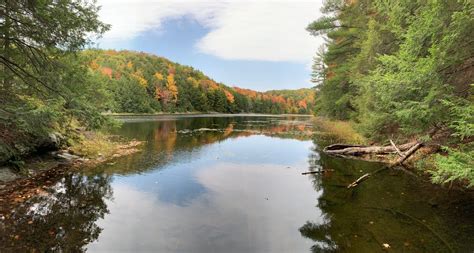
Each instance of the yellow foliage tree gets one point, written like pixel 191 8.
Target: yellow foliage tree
pixel 158 76
pixel 193 82
pixel 139 77
pixel 171 86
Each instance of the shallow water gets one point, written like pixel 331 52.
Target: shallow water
pixel 233 184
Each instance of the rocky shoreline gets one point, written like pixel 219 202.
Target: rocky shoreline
pixel 43 171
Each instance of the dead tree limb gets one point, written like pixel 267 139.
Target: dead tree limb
pixel 345 150
pixel 359 180
pixel 356 150
pixel 366 176
pixel 396 149
pixel 407 154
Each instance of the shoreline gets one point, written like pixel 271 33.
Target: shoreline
pixel 343 132
pixel 40 166
pixel 206 114
pixel 23 187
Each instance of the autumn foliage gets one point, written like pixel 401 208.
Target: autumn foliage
pixel 140 82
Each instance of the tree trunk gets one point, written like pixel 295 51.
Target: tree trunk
pixel 356 150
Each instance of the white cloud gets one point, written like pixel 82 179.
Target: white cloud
pixel 243 30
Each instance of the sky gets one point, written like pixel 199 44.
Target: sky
pixel 259 44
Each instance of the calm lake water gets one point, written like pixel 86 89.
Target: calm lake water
pixel 234 184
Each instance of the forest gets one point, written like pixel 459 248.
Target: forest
pixel 53 87
pixel 137 82
pixel 97 142
pixel 402 70
pixel 397 70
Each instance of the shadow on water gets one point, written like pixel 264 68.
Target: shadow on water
pixel 234 184
pixel 61 218
pixel 405 213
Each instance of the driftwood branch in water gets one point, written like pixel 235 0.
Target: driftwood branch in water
pixel 359 180
pixel 404 156
pixel 356 150
pixel 396 149
pixel 346 150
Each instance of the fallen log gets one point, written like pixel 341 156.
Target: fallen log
pixel 400 161
pixel 341 146
pixel 347 150
pixel 357 150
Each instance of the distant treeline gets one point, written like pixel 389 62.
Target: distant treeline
pixel 143 83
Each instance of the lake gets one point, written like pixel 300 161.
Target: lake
pixel 221 183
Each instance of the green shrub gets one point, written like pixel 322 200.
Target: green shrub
pixel 457 165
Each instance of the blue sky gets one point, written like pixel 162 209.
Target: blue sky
pixel 257 45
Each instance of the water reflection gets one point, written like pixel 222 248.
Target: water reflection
pixel 182 137
pixel 215 192
pixel 169 189
pixel 61 219
pixel 392 208
pixel 242 211
pixel 234 184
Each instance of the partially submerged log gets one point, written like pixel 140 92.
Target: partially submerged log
pixel 357 150
pixel 404 152
pixel 410 148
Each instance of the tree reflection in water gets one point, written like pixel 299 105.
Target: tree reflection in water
pixel 392 208
pixel 319 233
pixel 62 219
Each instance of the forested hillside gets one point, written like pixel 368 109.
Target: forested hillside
pixel 51 90
pixel 402 70
pixel 143 83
